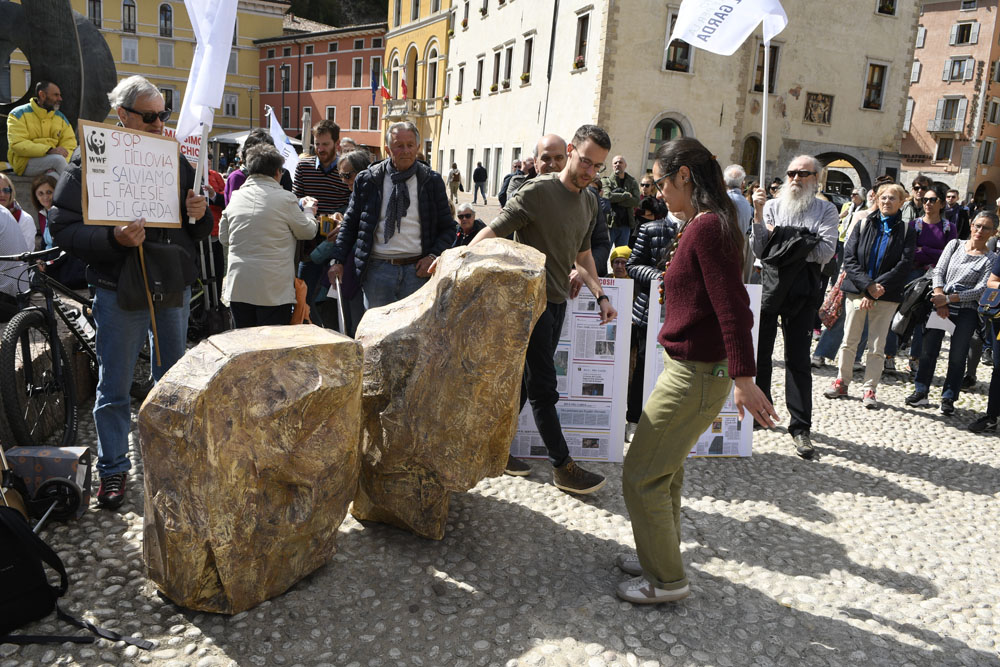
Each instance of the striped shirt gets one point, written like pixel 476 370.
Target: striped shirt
pixel 958 272
pixel 326 186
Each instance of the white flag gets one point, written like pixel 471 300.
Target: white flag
pixel 281 141
pixel 213 22
pixel 721 26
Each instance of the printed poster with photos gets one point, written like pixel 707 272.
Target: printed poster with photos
pixel 592 373
pixel 728 435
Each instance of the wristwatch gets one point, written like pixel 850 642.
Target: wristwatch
pixel 604 297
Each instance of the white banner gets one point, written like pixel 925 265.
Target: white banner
pixel 281 141
pixel 592 378
pixel 213 22
pixel 728 435
pixel 721 26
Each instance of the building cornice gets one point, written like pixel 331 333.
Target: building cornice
pixel 416 25
pixel 347 31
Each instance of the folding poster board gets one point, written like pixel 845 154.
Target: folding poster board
pixel 592 373
pixel 128 175
pixel 728 435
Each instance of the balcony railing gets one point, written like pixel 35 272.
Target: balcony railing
pixel 946 124
pixel 414 108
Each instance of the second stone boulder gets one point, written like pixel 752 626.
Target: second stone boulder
pixel 442 379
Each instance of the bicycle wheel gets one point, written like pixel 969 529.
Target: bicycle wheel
pixel 41 410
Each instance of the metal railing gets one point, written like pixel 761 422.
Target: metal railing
pixel 410 108
pixel 945 124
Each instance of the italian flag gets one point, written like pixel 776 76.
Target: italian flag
pixel 385 84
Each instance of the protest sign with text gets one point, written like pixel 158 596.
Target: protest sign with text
pixel 128 175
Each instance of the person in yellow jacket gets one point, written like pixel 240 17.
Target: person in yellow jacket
pixel 39 137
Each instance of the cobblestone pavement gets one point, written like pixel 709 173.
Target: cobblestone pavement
pixel 882 552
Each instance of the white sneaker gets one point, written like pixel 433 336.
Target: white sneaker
pixel 629 564
pixel 640 591
pixel 630 431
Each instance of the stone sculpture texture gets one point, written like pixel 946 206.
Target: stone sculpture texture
pixel 250 446
pixel 442 378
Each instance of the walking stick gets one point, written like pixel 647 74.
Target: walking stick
pixel 149 300
pixel 340 309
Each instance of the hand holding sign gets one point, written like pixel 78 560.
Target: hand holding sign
pixel 131 235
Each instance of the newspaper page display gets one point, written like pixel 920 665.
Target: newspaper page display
pixel 592 374
pixel 728 435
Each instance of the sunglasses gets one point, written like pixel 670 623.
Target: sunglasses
pixel 931 200
pixel 6 191
pixel 801 173
pixel 645 185
pixel 150 116
pixel 919 188
pixel 463 216
pixel 347 176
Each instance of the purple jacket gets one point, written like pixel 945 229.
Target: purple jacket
pixel 931 240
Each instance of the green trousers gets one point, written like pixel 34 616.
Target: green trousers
pixel 685 401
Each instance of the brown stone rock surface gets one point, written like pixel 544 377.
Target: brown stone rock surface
pixel 442 380
pixel 250 447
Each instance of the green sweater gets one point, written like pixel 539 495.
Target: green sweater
pixel 548 217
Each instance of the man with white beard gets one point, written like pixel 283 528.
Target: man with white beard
pixel 795 206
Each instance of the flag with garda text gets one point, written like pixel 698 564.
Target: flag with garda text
pixel 721 26
pixel 213 22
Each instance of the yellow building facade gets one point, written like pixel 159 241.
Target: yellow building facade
pixel 416 51
pixel 155 40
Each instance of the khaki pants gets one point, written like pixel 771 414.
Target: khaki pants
pixel 686 399
pixel 453 186
pixel 879 321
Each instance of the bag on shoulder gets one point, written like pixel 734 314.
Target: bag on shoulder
pixel 168 269
pixel 989 303
pixel 25 592
pixel 833 304
pixel 300 315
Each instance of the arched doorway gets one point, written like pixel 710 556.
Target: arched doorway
pixel 828 159
pixel 986 195
pixel 750 157
pixel 410 67
pixel 665 127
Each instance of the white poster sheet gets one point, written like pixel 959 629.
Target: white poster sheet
pixel 591 362
pixel 728 435
pixel 128 175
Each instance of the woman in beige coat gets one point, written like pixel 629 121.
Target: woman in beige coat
pixel 259 229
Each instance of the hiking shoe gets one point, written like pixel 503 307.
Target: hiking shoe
pixel 572 478
pixel 947 406
pixel 516 467
pixel 837 390
pixel 917 399
pixel 984 423
pixel 818 361
pixel 869 399
pixel 803 445
pixel 816 334
pixel 968 382
pixel 111 494
pixel 629 564
pixel 890 365
pixel 640 591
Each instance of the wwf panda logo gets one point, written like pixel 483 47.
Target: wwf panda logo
pixel 95 142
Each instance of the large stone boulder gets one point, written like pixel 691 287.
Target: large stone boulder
pixel 250 446
pixel 442 383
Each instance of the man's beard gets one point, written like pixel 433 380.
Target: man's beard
pixel 48 106
pixel 796 201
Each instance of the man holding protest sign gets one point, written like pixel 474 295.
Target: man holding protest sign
pixel 121 333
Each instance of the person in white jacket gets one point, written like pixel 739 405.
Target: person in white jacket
pixel 259 229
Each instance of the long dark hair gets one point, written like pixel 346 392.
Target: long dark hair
pixel 709 188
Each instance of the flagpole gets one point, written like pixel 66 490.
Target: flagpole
pixel 200 171
pixel 763 124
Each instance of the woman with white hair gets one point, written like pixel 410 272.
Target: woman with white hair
pixel 468 225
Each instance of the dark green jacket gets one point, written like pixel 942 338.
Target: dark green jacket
pixel 624 197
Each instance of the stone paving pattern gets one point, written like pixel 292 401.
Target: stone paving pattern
pixel 882 552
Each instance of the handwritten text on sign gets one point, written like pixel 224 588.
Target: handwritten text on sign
pixel 129 175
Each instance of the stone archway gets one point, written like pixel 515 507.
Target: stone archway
pixel 664 127
pixel 410 68
pixel 862 171
pixel 986 195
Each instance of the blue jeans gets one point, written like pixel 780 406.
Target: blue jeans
pixel 993 407
pixel 830 340
pixel 120 336
pixel 966 320
pixel 385 283
pixel 619 236
pixel 476 189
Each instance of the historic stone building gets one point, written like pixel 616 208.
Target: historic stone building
pixel 840 72
pixel 952 123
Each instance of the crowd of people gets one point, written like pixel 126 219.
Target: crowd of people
pixel 345 233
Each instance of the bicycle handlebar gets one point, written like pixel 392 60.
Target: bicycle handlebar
pixel 32 257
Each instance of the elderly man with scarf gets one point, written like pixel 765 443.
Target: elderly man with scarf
pixel 397 223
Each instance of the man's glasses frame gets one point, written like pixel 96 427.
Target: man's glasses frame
pixel 801 173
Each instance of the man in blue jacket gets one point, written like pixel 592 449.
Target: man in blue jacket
pixel 397 223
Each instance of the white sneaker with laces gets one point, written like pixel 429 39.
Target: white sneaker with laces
pixel 629 564
pixel 640 591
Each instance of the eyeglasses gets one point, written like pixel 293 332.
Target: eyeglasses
pixel 801 173
pixel 659 181
pixel 982 228
pixel 347 176
pixel 150 116
pixel 645 185
pixel 464 216
pixel 919 188
pixel 6 191
pixel 931 200
pixel 590 164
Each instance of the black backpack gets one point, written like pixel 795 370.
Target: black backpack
pixel 25 592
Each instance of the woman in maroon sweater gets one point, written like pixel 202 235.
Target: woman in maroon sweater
pixel 707 338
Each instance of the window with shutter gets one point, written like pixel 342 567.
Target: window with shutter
pixel 963 106
pixel 915 72
pixel 970 68
pixel 921 36
pixel 909 115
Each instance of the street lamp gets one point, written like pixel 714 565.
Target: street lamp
pixel 250 91
pixel 285 76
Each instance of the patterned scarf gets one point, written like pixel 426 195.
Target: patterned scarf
pixel 399 199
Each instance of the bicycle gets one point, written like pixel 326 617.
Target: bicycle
pixel 40 403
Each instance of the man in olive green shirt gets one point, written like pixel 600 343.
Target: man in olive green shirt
pixel 622 190
pixel 555 214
